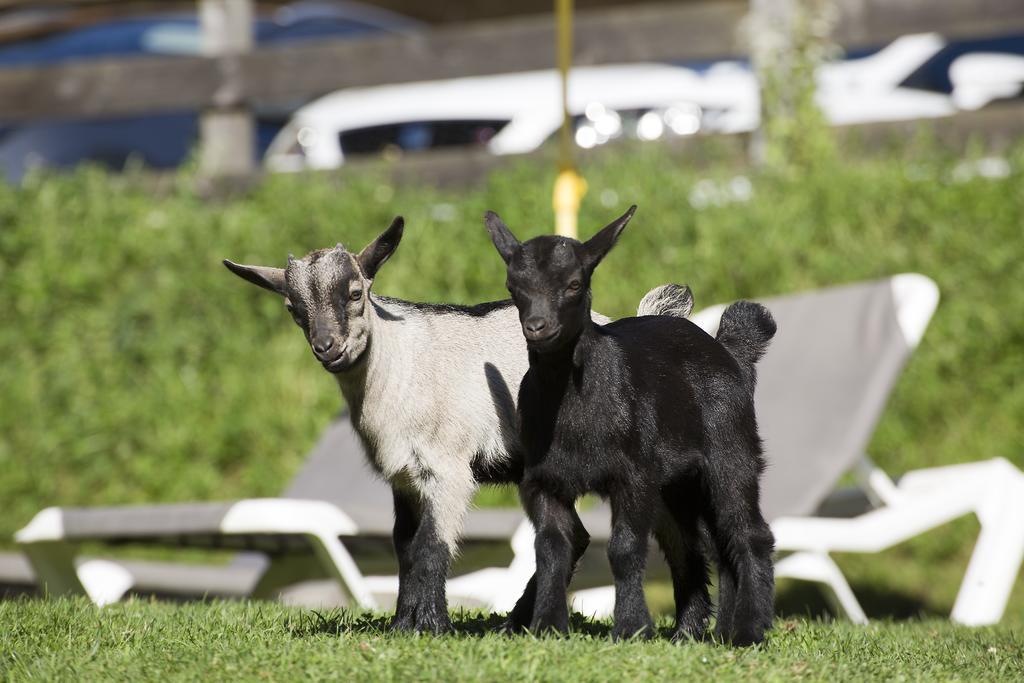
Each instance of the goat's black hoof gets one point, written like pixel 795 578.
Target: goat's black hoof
pixel 518 620
pixel 436 622
pixel 432 620
pixel 551 624
pixel 512 626
pixel 401 623
pixel 629 629
pixel 744 636
pixel 684 634
pixel 692 626
pixel 404 619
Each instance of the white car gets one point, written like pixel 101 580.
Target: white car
pixel 980 78
pixel 512 113
pixel 516 113
pixel 867 89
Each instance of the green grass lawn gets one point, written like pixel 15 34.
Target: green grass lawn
pixel 71 640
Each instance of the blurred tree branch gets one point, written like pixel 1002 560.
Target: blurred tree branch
pixel 789 40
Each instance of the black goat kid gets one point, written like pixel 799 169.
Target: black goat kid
pixel 653 414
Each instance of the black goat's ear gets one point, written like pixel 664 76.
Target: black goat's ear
pixel 600 244
pixel 373 256
pixel 504 241
pixel 263 276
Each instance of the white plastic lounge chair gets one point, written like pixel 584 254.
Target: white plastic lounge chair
pixel 335 509
pixel 821 389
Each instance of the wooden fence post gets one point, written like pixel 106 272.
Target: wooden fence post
pixel 227 130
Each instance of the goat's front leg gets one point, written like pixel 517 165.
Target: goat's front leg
pixel 423 561
pixel 423 604
pixel 633 516
pixel 407 520
pixel 552 519
pixel 522 614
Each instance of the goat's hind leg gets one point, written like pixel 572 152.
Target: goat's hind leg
pixel 681 543
pixel 745 545
pixel 522 614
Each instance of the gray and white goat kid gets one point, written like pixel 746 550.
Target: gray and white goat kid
pixel 431 389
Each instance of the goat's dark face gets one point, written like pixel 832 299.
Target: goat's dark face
pixel 327 294
pixel 549 280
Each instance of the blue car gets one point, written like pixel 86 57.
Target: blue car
pixel 163 140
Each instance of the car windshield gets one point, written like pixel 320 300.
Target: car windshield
pixel 418 135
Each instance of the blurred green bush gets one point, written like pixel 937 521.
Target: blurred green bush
pixel 137 369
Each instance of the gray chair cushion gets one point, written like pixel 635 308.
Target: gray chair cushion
pixel 822 387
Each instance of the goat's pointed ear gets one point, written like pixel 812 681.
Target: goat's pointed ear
pixel 600 244
pixel 264 276
pixel 504 241
pixel 373 256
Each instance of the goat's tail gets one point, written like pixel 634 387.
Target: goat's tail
pixel 674 300
pixel 745 331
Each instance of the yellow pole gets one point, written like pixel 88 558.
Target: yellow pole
pixel 569 186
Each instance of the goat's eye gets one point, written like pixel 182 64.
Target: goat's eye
pixel 355 295
pixel 574 286
pixel 294 312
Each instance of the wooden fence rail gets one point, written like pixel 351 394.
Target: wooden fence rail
pixel 282 75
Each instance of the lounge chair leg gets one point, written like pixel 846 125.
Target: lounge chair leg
pixel 105 582
pixel 820 568
pixel 337 561
pixel 54 565
pixel 999 550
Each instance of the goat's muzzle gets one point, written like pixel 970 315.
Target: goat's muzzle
pixel 541 337
pixel 336 362
pixel 331 353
